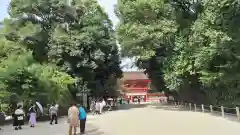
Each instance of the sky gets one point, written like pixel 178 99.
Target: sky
pixel 108 5
pixel 3 9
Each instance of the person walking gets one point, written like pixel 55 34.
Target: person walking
pixel 82 118
pixel 139 100
pixel 73 118
pixel 97 107
pixel 102 105
pixel 53 114
pixel 120 101
pixel 33 115
pixel 128 100
pixel 18 118
pixel 92 107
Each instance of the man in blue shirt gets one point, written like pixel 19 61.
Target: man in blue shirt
pixel 82 118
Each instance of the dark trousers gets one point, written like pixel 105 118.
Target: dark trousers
pixel 54 117
pixel 82 125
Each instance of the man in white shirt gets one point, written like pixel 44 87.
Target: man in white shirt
pixel 103 104
pixel 97 107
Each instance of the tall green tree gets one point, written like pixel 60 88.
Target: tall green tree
pixel 23 79
pixel 198 56
pixel 77 37
pixel 88 48
pixel 146 31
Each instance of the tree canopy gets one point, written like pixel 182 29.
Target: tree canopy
pixel 59 49
pixel 189 46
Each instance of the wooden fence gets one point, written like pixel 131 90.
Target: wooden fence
pixel 223 111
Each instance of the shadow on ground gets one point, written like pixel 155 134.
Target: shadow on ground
pixel 167 107
pixel 93 130
pixel 228 116
pixel 131 106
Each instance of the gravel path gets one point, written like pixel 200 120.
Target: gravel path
pixel 44 128
pixel 141 120
pixel 152 121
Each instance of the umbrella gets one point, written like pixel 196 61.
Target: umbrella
pixel 39 106
pixel 57 106
pixel 109 99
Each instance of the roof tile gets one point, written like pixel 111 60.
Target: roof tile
pixel 134 75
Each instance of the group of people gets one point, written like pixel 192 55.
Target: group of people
pixel 19 115
pixel 76 117
pixel 163 99
pixel 98 106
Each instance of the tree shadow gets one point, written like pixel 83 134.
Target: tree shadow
pixel 167 107
pixel 228 116
pixel 92 131
pixel 131 106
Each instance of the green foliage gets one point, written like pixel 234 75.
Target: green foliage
pixel 194 44
pixel 22 78
pixel 53 49
pixel 146 31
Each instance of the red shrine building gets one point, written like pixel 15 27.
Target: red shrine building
pixel 135 85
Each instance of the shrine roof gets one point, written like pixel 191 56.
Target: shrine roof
pixel 137 75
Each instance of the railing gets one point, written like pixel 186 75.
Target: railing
pixel 221 110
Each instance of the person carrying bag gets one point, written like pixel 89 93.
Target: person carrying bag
pixel 53 113
pixel 18 118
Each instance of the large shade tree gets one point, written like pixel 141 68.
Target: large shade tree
pixel 76 36
pixel 24 79
pixel 193 44
pixel 146 31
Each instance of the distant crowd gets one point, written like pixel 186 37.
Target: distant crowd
pixel 160 99
pixel 99 105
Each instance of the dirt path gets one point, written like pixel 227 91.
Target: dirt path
pixel 152 121
pixel 141 120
